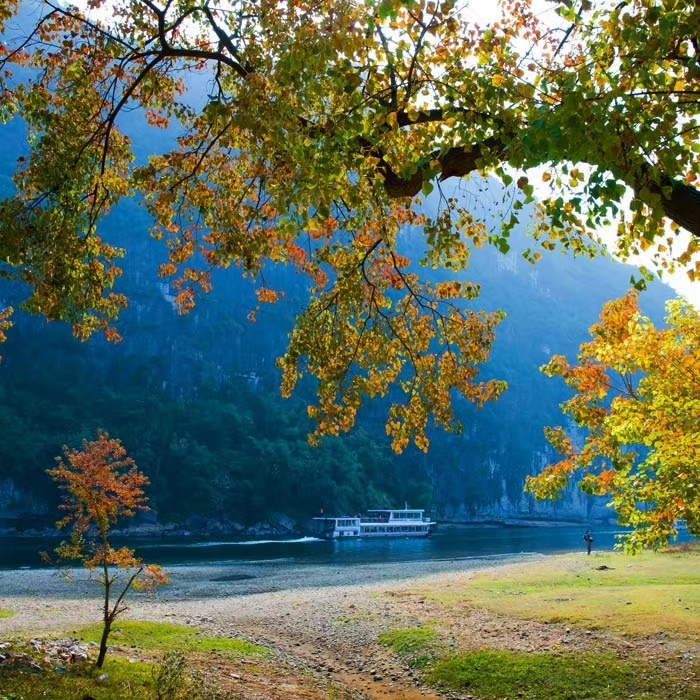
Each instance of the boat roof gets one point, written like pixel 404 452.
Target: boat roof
pixel 396 510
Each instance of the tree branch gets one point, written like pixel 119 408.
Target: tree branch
pixel 680 202
pixel 455 162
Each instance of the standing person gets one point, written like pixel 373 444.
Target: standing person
pixel 588 539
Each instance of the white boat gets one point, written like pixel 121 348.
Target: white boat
pixel 389 522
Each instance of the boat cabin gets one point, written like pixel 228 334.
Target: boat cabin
pixel 335 527
pixel 394 515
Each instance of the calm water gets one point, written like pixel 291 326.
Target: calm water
pixel 462 542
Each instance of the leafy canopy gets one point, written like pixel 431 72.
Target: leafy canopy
pixel 637 397
pixel 322 126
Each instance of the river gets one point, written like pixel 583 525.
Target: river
pixel 447 543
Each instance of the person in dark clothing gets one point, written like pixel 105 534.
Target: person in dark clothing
pixel 588 539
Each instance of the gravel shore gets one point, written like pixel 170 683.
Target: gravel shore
pixel 320 622
pixel 322 625
pixel 28 591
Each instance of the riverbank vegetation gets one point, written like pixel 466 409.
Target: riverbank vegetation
pixel 102 486
pixel 639 595
pixel 635 389
pixel 494 675
pixel 167 637
pixel 155 661
pixel 561 628
pixel 638 616
pixel 158 661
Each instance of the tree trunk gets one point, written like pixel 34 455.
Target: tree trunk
pixel 107 617
pixel 103 642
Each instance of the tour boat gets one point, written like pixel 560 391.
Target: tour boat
pixel 392 522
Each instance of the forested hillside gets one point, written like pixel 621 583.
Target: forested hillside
pixel 195 398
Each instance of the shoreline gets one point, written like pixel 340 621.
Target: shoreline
pixel 219 580
pixel 171 531
pixel 227 600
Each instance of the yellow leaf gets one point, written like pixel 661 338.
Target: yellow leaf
pixel 525 90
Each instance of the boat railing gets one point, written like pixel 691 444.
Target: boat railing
pixel 380 519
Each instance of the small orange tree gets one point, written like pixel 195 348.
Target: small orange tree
pixel 101 486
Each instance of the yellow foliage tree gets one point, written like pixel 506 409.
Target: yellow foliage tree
pixel 637 397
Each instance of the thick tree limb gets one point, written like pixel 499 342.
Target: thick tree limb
pixel 456 162
pixel 680 202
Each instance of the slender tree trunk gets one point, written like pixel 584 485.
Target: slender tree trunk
pixel 103 642
pixel 107 619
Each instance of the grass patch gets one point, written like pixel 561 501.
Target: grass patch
pixel 6 613
pixel 496 675
pixel 409 640
pixel 163 636
pixel 418 644
pixel 650 592
pixel 29 673
pixel 119 679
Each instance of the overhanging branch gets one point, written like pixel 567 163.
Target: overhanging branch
pixel 679 201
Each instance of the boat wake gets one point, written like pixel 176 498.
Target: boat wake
pixel 228 543
pixel 301 540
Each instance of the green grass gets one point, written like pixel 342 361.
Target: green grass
pixel 632 595
pixel 636 596
pixel 163 636
pixel 501 675
pixel 409 640
pixel 419 645
pixel 6 613
pixel 118 680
